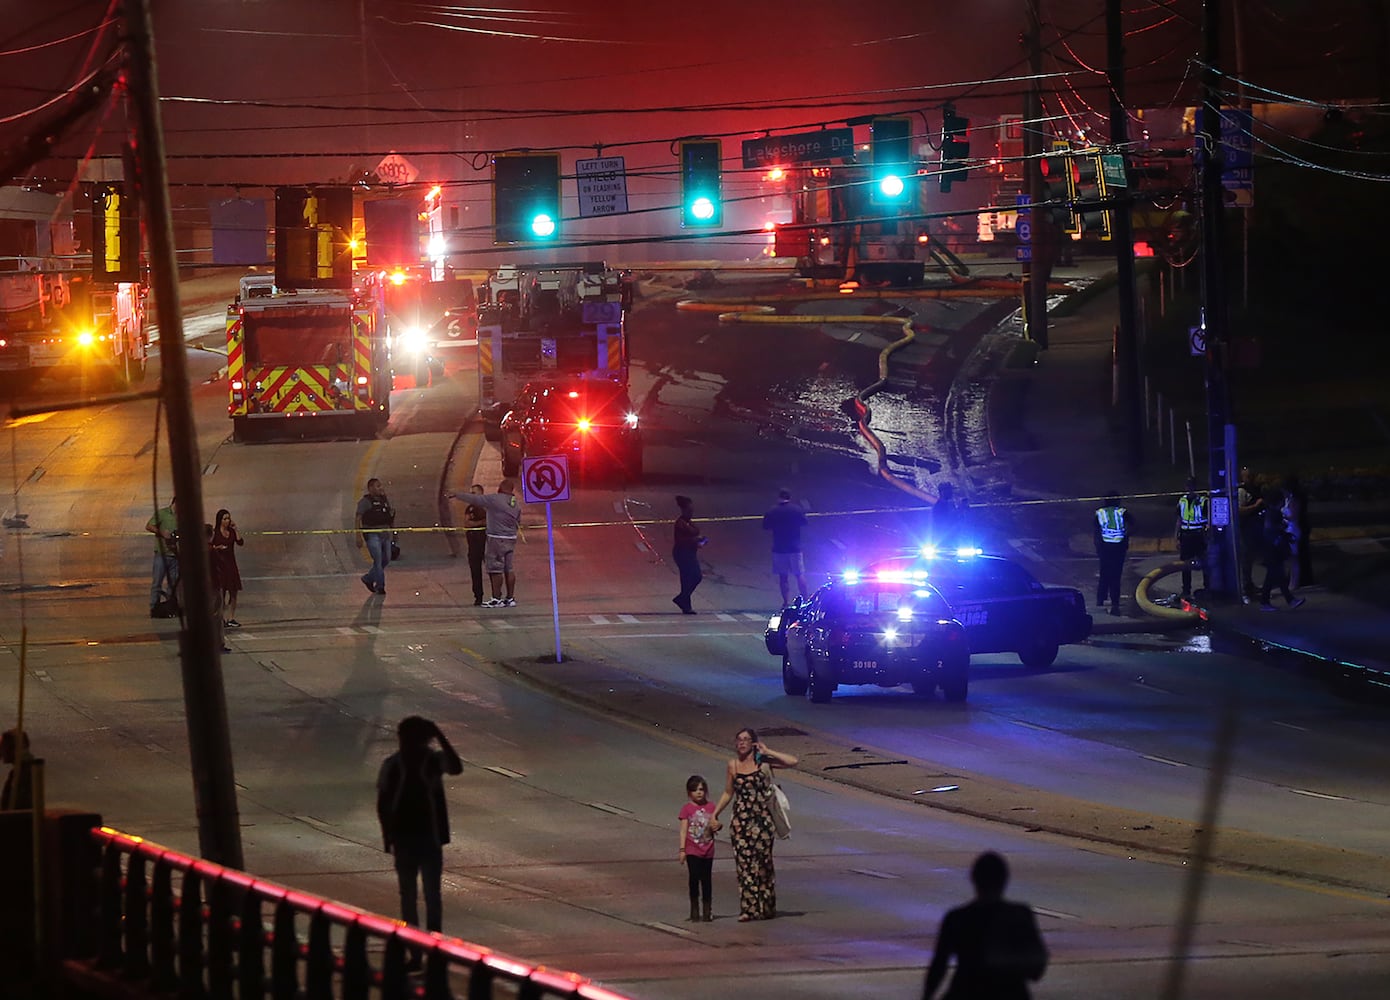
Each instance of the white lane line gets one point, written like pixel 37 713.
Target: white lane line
pixel 1290 725
pixel 628 620
pixel 599 619
pixel 1163 760
pixel 724 616
pixel 506 772
pixel 1319 795
pixel 341 630
pixel 504 626
pixel 856 335
pixel 754 616
pixel 1055 914
pixel 605 807
pixel 872 873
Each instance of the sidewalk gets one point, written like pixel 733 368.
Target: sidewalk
pixel 1058 441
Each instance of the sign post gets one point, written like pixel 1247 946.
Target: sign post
pixel 546 479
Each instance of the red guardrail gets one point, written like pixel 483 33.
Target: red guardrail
pixel 170 923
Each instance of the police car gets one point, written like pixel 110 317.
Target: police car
pixel 1003 607
pixel 887 628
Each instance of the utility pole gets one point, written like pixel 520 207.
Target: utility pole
pixel 204 696
pixel 1223 578
pixel 1037 270
pixel 1122 233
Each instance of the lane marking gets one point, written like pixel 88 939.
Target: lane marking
pixel 599 619
pixel 1319 795
pixel 872 873
pixel 1290 725
pixel 1055 914
pixel 1163 760
pixel 505 772
pixel 629 620
pixel 724 616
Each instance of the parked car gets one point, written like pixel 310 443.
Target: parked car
pixel 880 628
pixel 591 421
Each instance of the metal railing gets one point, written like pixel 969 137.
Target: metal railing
pixel 170 923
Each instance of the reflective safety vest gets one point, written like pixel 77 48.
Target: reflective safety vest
pixel 1112 524
pixel 1192 514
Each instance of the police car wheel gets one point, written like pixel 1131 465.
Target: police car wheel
pixel 926 687
pixel 818 687
pixel 1038 655
pixel 791 684
pixel 955 681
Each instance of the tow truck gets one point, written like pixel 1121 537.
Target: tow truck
pixel 540 321
pixel 308 360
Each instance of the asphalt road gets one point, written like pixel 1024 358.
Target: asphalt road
pixel 565 816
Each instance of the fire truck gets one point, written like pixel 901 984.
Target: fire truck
pixel 428 318
pixel 540 321
pixel 54 318
pixel 308 362
pixel 837 233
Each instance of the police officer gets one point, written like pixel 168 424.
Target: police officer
pixel 1112 545
pixel 1191 534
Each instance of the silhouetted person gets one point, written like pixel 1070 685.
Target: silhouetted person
pixel 414 815
pixel 996 944
pixel 18 792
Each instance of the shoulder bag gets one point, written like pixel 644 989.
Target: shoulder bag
pixel 778 806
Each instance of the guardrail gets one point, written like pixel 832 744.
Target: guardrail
pixel 167 923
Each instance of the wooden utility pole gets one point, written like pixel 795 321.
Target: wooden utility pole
pixel 1037 269
pixel 204 695
pixel 1122 235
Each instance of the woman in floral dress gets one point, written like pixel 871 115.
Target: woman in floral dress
pixel 749 788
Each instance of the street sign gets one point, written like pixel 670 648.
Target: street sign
pixel 1220 512
pixel 545 479
pixel 804 147
pixel 396 169
pixel 602 186
pixel 1197 340
pixel 1112 168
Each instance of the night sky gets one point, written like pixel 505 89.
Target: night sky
pixel 362 77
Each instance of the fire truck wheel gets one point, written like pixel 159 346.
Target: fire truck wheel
pixel 422 374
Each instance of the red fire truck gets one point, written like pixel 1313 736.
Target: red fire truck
pixel 308 362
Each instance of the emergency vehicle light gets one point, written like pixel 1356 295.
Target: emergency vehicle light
pixel 905 613
pixel 583 424
pixel 86 338
pixel 850 576
pixel 361 380
pixel 238 385
pixel 630 419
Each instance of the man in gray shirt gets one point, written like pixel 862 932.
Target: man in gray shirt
pixel 503 523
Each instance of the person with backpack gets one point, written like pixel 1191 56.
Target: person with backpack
pixel 375 518
pixel 414 815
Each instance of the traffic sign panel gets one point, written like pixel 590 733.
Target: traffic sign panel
pixel 545 479
pixel 1197 340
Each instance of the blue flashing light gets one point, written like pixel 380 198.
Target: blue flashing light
pixel 928 552
pixel 905 613
pixel 850 576
pixel 889 634
pixel 968 552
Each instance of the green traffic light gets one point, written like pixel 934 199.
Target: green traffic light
pixel 543 225
pixel 891 186
pixel 702 209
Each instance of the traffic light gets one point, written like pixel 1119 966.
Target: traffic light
pixel 1058 185
pixel 115 233
pixel 955 147
pixel 891 140
pixel 1090 190
pixel 702 194
pixel 313 237
pixel 526 197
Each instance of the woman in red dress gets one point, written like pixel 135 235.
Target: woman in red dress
pixel 225 575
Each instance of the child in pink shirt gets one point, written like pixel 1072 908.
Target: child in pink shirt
pixel 698 827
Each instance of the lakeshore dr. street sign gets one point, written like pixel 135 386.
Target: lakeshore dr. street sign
pixel 804 147
pixel 602 186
